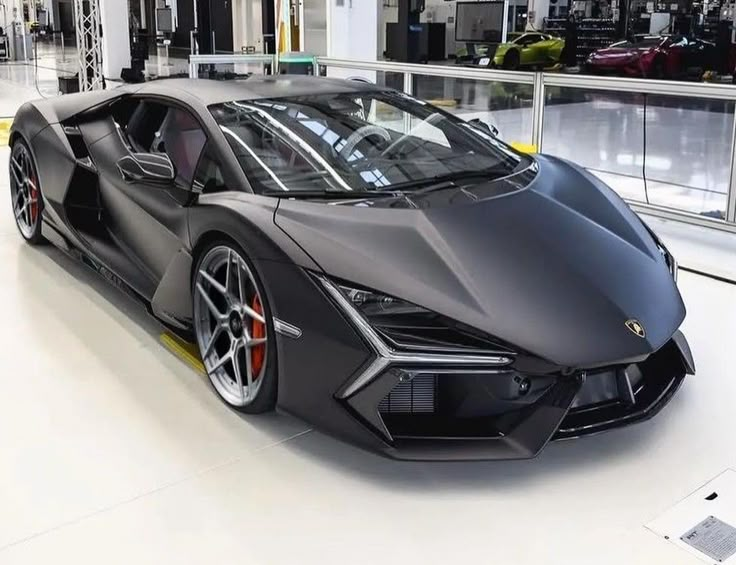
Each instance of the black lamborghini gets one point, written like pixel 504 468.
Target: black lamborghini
pixel 349 254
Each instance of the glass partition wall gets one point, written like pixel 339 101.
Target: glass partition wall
pixel 507 106
pixel 666 146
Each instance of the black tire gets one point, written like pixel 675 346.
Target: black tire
pixel 512 60
pixel 266 395
pixel 18 152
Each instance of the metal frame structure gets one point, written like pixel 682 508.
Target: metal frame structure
pixel 540 81
pixel 89 44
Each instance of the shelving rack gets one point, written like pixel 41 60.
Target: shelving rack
pixel 593 34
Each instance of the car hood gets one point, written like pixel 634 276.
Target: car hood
pixel 556 268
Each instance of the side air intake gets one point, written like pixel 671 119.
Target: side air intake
pixel 79 147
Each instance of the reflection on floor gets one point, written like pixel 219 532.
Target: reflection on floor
pixel 115 451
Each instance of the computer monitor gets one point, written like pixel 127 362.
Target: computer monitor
pixel 164 20
pixel 479 22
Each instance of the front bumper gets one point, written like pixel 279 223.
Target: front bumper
pixel 632 69
pixel 469 414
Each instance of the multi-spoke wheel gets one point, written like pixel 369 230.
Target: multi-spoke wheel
pixel 24 192
pixel 232 326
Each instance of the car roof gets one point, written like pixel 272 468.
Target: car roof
pixel 219 91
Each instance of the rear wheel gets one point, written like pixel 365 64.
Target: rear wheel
pixel 234 329
pixel 25 193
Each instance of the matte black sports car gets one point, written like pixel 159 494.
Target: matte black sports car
pixel 382 269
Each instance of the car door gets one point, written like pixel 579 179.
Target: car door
pixel 677 54
pixel 531 52
pixel 149 220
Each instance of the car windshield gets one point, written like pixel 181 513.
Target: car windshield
pixel 359 141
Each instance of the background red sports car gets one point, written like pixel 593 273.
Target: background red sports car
pixel 654 57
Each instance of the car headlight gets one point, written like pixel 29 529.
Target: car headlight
pixel 375 305
pixel 669 258
pixel 408 326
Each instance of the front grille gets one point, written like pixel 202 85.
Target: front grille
pixel 415 395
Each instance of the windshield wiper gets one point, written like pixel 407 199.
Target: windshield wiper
pixel 447 180
pixel 326 194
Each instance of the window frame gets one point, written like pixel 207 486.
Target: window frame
pixel 173 103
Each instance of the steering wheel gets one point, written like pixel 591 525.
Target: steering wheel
pixel 360 134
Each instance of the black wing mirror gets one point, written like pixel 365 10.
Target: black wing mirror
pixel 485 127
pixel 152 168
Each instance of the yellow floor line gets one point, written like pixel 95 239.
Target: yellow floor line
pixel 5 130
pixel 187 352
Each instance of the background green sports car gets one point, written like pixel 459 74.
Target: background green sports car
pixel 529 49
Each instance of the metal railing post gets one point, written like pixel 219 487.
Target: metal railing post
pixel 408 83
pixel 538 111
pixel 408 89
pixel 731 199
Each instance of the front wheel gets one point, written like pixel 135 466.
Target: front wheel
pixel 659 70
pixel 234 329
pixel 512 60
pixel 25 193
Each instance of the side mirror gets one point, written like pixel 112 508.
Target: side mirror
pixel 153 168
pixel 477 123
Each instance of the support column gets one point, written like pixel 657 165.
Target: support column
pixel 115 37
pixel 352 29
pixel 352 33
pixel 540 9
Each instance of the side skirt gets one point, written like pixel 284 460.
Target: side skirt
pixel 79 255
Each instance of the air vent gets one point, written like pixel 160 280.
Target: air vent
pixel 413 396
pixel 74 136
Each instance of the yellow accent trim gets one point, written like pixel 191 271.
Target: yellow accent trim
pixel 187 352
pixel 5 130
pixel 523 147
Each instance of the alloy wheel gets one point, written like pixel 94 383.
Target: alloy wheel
pixel 231 325
pixel 24 190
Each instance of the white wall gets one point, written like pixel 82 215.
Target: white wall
pixel 352 34
pixel 352 29
pixel 247 25
pixel 314 27
pixel 115 38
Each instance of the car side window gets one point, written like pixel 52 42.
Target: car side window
pixel 181 138
pixel 208 177
pixel 530 39
pixel 155 127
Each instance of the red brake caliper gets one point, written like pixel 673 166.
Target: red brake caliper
pixel 258 331
pixel 33 192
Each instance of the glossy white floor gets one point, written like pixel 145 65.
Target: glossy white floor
pixel 113 451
